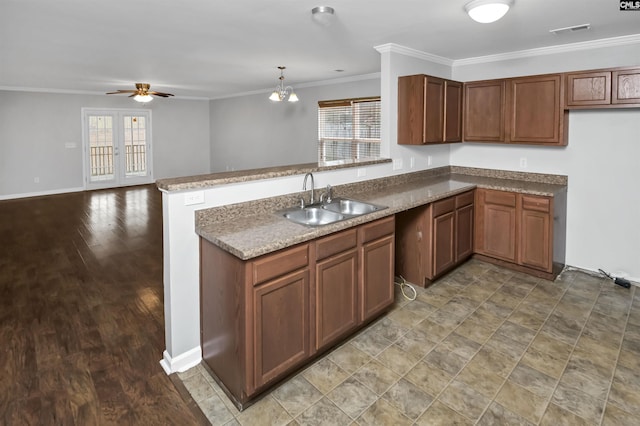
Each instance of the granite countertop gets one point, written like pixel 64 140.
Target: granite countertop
pixel 248 230
pixel 187 183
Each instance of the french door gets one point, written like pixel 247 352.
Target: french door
pixel 117 147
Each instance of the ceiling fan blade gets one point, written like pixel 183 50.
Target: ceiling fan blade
pixel 162 94
pixel 121 91
pixel 132 95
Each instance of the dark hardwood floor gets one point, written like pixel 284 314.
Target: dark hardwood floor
pixel 81 311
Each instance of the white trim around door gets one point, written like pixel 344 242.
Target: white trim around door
pixel 117 148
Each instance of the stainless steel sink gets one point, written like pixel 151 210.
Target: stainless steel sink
pixel 326 213
pixel 351 207
pixel 313 216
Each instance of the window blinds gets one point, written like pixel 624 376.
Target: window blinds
pixel 349 129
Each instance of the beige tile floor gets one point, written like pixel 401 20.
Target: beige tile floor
pixel 484 345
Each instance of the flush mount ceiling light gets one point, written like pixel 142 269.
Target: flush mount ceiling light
pixel 281 93
pixel 323 15
pixel 486 11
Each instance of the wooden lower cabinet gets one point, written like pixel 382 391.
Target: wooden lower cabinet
pixel 265 318
pixel 536 233
pixel 280 325
pixel 336 287
pixel 377 252
pixel 523 231
pixel 433 239
pixel 496 224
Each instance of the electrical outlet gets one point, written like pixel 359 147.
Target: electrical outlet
pixel 397 164
pixel 412 162
pixel 36 180
pixel 523 162
pixel 362 172
pixel 429 160
pixel 70 145
pixel 191 198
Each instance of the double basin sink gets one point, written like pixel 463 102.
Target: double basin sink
pixel 329 212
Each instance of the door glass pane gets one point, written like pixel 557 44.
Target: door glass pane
pixel 101 148
pixel 135 145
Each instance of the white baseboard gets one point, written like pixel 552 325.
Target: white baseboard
pixel 40 193
pixel 181 362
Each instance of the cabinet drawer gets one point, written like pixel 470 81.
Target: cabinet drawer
pixel 336 243
pixel 501 198
pixel 464 199
pixel 444 206
pixel 377 229
pixel 280 263
pixel 539 204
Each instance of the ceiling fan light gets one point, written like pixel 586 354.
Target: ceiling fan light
pixel 275 97
pixel 143 98
pixel 487 11
pixel 293 97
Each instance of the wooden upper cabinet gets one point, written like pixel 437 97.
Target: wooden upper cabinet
pixel 484 111
pixel 452 111
pixel 429 110
pixel 626 86
pixel 536 114
pixel 433 119
pixel 606 88
pixel 589 88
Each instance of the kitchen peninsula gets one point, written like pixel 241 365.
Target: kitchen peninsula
pixel 247 234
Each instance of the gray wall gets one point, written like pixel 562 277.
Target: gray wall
pixel 250 132
pixel 34 128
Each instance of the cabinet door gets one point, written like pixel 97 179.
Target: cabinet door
pixel 536 114
pixel 336 297
pixel 452 111
pixel 376 276
pixel 589 88
pixel 433 110
pixel 443 243
pixel 464 232
pixel 535 233
pixel 281 325
pixel 484 111
pixel 626 86
pixel 496 224
pixel 411 103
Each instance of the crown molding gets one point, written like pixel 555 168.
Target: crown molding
pixel 552 50
pixel 45 90
pixel 340 80
pixel 80 92
pixel 414 53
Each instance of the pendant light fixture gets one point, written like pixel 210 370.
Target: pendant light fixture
pixel 486 11
pixel 281 93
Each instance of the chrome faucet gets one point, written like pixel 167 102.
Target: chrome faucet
pixel 326 196
pixel 304 187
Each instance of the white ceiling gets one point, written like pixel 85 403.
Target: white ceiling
pixel 211 48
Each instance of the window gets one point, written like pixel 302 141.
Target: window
pixel 349 129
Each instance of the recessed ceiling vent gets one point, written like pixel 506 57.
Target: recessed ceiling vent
pixel 573 29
